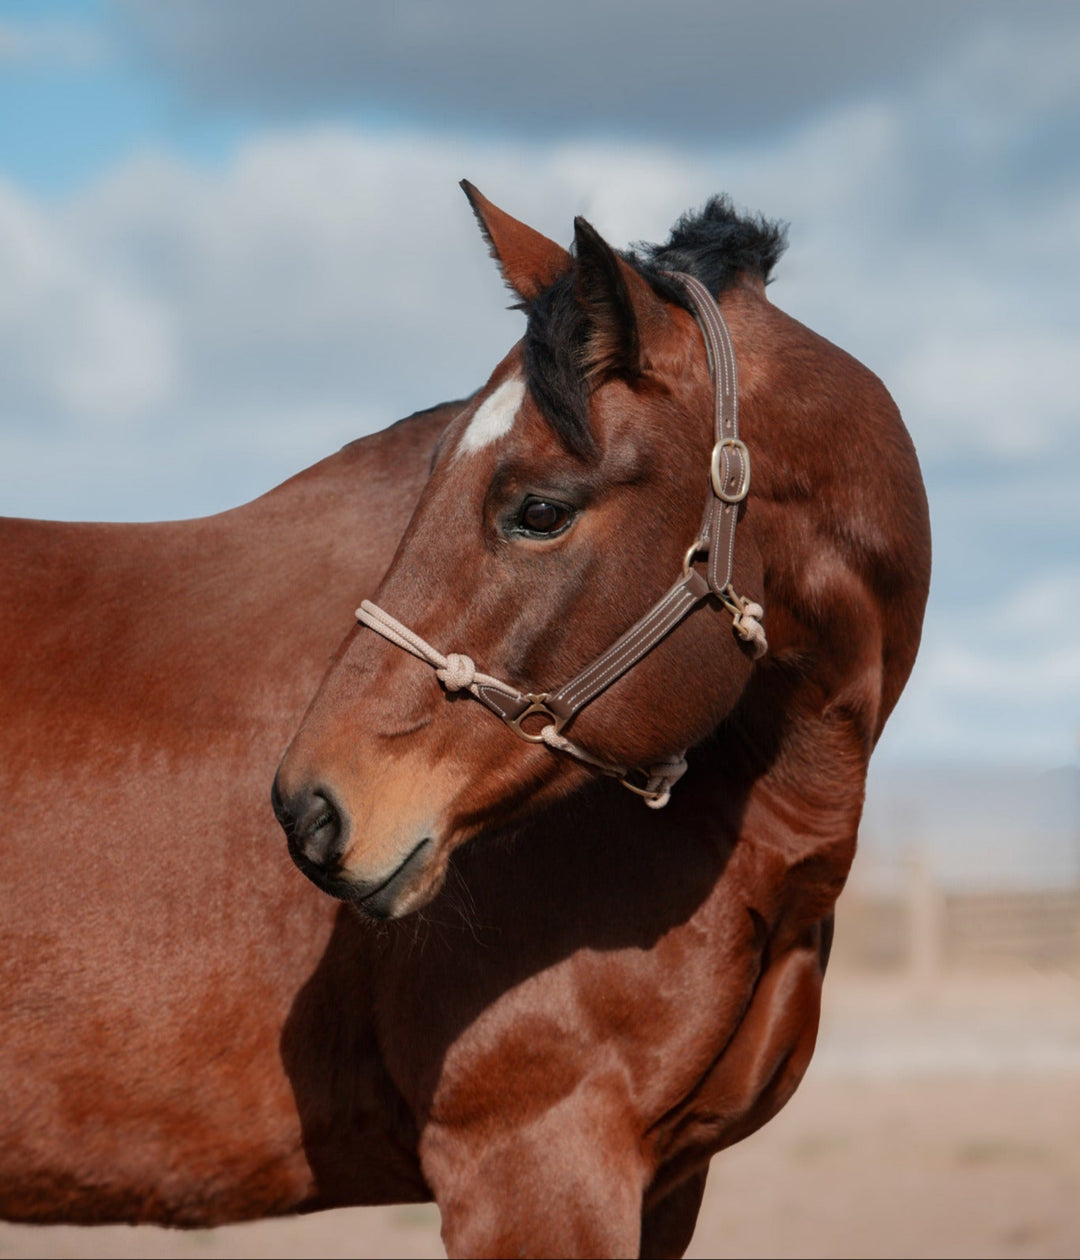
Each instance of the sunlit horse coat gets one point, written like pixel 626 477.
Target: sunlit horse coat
pixel 594 997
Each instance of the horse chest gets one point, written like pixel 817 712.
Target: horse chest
pixel 486 1040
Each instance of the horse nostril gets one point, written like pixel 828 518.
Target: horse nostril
pixel 313 825
pixel 318 832
pixel 281 812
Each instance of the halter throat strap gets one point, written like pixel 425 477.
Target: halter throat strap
pixel 547 713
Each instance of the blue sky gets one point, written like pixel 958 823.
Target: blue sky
pixel 230 232
pixel 77 98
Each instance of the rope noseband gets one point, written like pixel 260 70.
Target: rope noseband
pixel 729 479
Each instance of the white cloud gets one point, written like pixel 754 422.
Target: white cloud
pixel 1000 391
pixel 998 677
pixel 75 341
pixel 1046 607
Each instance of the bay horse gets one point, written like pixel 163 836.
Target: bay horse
pixel 590 997
pixel 638 988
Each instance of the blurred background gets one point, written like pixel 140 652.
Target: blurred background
pixel 231 240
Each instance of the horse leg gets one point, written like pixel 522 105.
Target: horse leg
pixel 558 1187
pixel 668 1226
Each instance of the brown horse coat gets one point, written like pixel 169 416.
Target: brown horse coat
pixel 599 998
pixel 154 933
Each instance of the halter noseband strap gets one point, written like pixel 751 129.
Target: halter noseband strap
pixel 729 477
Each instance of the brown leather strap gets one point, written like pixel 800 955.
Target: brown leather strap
pixel 729 464
pixel 626 651
pixel 548 713
pixel 729 477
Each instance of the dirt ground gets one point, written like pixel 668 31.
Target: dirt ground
pixel 934 1121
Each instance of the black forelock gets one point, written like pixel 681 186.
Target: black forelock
pixel 553 342
pixel 715 245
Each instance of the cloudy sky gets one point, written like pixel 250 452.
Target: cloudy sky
pixel 231 239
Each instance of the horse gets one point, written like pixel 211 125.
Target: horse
pixel 636 988
pixel 587 999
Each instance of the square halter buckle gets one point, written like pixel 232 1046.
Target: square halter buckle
pixel 740 492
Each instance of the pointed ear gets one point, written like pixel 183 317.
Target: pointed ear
pixel 624 314
pixel 529 262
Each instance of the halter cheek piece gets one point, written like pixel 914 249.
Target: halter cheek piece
pixel 549 711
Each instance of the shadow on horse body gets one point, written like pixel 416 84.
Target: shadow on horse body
pixel 579 1000
pixel 568 1002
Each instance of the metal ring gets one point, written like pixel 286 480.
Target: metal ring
pixel 743 489
pixel 650 794
pixel 691 551
pixel 536 705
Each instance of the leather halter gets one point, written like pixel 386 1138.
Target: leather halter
pixel 550 711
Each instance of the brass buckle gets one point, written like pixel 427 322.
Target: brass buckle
pixel 743 490
pixel 536 705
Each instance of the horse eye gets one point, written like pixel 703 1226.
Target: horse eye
pixel 538 516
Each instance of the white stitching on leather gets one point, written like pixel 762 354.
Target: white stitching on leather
pixel 657 630
pixel 606 660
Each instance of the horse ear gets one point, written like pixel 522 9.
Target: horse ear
pixel 529 262
pixel 623 311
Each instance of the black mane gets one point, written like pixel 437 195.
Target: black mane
pixel 715 245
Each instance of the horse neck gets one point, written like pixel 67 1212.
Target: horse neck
pixel 208 612
pixel 838 515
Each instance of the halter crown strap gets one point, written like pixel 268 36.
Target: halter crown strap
pixel 729 478
pixel 729 465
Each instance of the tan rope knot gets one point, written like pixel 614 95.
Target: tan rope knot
pixel 458 672
pixel 748 627
pixel 663 776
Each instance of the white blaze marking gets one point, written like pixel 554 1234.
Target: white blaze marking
pixel 495 416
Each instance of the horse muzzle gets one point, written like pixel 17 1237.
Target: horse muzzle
pixel 318 830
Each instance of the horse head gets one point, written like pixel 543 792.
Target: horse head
pixel 563 503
